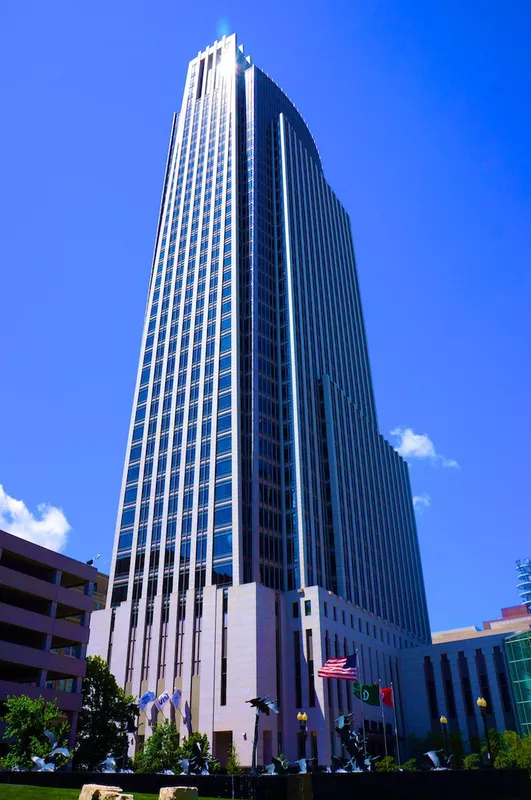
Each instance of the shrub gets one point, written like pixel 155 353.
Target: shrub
pixel 186 749
pixel 26 720
pixel 234 766
pixel 410 766
pixel 472 761
pixel 387 764
pixel 160 752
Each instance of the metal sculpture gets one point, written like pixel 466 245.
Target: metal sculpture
pixel 280 766
pixel 49 762
pixel 108 765
pixel 197 764
pixel 354 744
pixel 438 760
pixel 263 706
pixel 41 765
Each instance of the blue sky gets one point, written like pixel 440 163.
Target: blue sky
pixel 421 114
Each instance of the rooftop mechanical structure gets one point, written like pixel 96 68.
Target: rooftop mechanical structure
pixel 524 581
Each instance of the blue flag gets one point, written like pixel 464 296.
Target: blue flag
pixel 145 700
pixel 176 698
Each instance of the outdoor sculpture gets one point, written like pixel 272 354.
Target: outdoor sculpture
pixel 109 765
pixel 354 744
pixel 41 765
pixel 49 762
pixel 438 760
pixel 198 764
pixel 281 767
pixel 263 706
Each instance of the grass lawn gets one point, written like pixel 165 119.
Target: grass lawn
pixel 39 793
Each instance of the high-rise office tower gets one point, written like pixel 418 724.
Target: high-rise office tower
pixel 264 522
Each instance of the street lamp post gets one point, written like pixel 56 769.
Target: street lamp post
pixel 482 705
pixel 444 726
pixel 302 717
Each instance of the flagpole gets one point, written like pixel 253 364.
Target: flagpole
pixel 146 716
pixel 396 725
pixel 383 716
pixel 360 661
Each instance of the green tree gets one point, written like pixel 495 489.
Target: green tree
pixel 103 718
pixel 26 720
pixel 472 761
pixel 161 751
pixel 524 758
pixel 387 764
pixel 496 746
pixel 509 750
pixel 456 748
pixel 234 766
pixel 187 746
pixel 410 766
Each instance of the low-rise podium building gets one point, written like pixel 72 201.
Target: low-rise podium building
pixel 46 600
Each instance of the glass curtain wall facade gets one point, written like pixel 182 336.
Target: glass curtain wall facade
pixel 518 653
pixel 253 456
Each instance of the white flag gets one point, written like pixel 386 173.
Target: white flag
pixel 161 700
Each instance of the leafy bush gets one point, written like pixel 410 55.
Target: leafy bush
pixel 26 720
pixel 472 761
pixel 387 764
pixel 410 766
pixel 160 752
pixel 187 750
pixel 511 751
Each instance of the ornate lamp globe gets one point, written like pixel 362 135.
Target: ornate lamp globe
pixel 481 702
pixel 443 720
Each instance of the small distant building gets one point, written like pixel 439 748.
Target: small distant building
pixel 447 677
pixel 463 664
pixel 100 591
pixel 46 600
pixel 513 619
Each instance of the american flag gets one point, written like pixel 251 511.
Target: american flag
pixel 343 669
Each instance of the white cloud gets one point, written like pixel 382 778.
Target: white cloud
pixel 419 445
pixel 49 528
pixel 421 501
